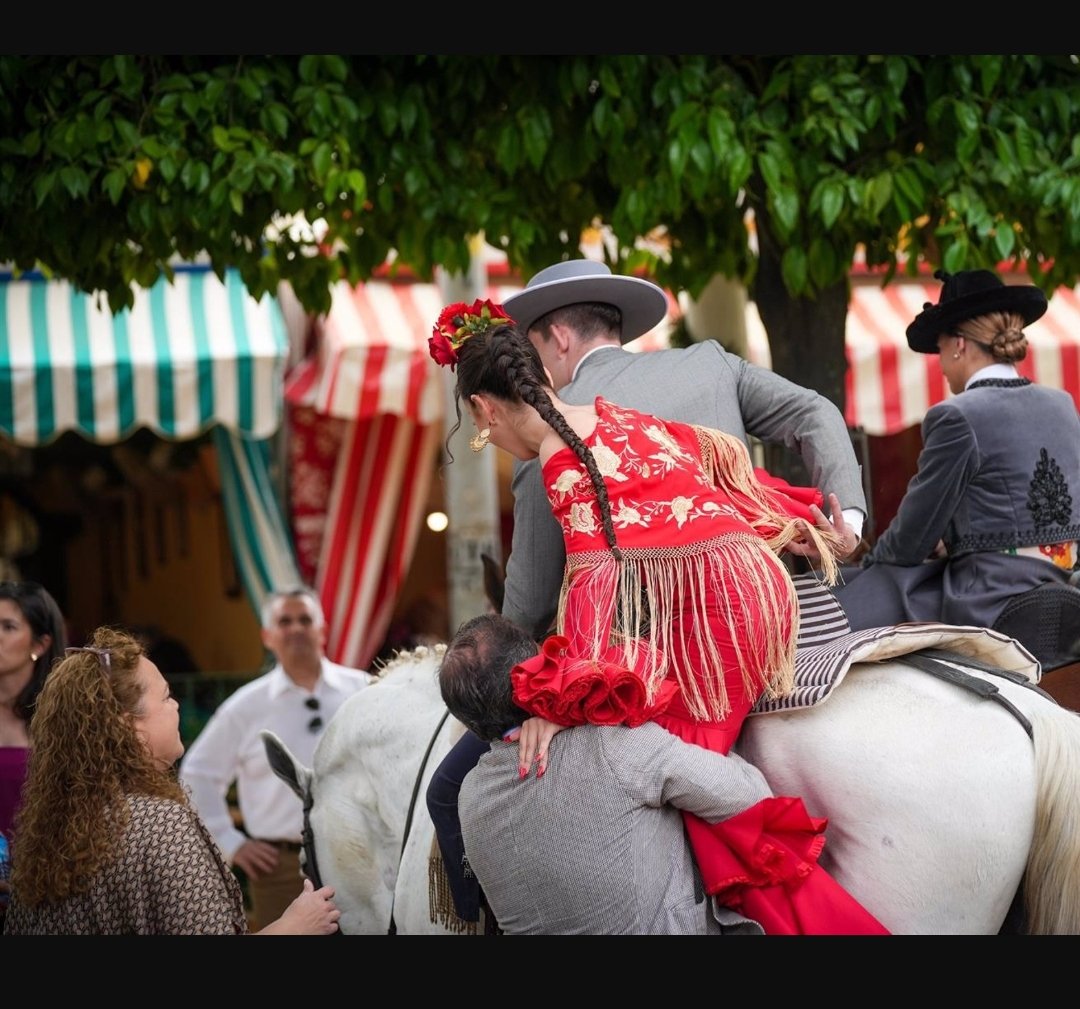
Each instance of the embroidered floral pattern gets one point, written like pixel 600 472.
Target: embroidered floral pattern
pixel 620 462
pixel 681 508
pixel 567 480
pixel 583 518
pixel 607 462
pixel 1049 499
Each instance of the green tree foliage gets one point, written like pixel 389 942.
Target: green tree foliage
pixel 112 166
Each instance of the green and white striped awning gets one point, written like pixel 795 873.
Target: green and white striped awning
pixel 187 356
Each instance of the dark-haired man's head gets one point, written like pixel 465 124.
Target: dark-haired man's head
pixel 474 675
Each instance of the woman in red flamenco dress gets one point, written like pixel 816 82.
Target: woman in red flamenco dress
pixel 672 577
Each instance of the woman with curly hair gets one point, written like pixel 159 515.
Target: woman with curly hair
pixel 108 842
pixel 673 575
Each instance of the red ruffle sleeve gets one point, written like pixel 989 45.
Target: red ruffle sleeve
pixel 569 690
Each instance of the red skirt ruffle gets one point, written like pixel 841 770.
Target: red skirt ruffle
pixel 762 862
pixel 574 691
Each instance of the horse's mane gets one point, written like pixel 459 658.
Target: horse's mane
pixel 410 658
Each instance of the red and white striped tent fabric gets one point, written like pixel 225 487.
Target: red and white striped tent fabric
pixel 366 418
pixel 890 387
pixel 366 411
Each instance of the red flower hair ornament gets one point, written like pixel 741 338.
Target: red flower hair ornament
pixel 458 322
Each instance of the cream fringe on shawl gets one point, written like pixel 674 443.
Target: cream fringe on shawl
pixel 639 597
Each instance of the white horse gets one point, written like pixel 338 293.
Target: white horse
pixel 939 802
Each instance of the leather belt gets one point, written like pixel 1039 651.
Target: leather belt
pixel 293 846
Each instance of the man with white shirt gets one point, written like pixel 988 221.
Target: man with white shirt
pixel 295 700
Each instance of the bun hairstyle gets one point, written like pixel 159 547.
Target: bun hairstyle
pixel 1000 334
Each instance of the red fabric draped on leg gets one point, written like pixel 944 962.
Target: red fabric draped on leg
pixel 763 863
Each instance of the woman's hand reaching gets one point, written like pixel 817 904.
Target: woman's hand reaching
pixel 533 738
pixel 847 540
pixel 312 913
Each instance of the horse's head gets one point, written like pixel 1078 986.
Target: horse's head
pixel 356 794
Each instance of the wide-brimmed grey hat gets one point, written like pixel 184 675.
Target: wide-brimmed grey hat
pixel 968 294
pixel 642 304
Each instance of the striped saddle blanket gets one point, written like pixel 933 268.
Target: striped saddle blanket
pixel 826 647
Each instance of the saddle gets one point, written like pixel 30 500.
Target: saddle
pixel 1046 621
pixel 826 648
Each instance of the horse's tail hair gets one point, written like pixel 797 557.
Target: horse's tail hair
pixel 1052 877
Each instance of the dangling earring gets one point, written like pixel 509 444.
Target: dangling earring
pixel 478 441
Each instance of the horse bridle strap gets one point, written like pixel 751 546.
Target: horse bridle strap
pixel 307 842
pixel 392 928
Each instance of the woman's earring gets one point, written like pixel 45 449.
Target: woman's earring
pixel 478 441
pixel 33 657
pixel 956 355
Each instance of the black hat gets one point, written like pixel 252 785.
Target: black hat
pixel 967 295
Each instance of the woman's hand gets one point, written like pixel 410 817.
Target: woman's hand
pixel 847 540
pixel 533 738
pixel 312 913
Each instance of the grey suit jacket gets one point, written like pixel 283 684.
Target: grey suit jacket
pixel 702 384
pixel 999 468
pixel 597 846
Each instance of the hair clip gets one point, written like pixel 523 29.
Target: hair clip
pixel 103 654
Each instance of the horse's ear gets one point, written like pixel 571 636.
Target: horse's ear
pixel 494 581
pixel 285 765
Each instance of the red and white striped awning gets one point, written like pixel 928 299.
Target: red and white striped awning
pixel 366 411
pixel 371 354
pixel 890 387
pixel 366 407
pixel 373 357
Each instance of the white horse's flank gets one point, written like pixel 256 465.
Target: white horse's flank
pixel 937 800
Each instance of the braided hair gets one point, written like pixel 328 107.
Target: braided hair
pixel 500 362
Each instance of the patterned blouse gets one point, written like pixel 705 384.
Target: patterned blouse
pixel 169 879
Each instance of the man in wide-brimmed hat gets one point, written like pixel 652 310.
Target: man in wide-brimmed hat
pixel 994 507
pixel 578 314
